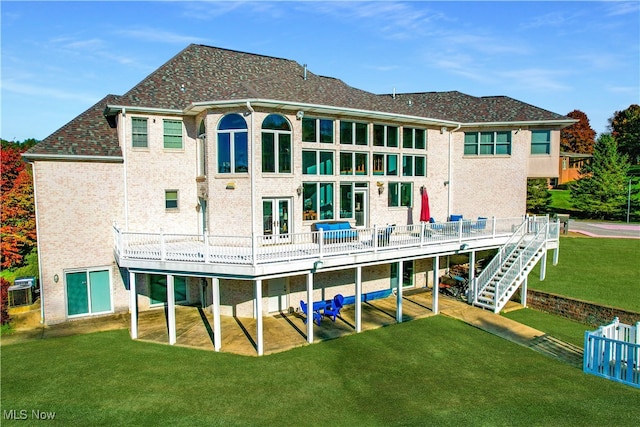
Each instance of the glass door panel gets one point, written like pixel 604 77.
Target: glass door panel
pixel 77 293
pixel 283 217
pixel 360 208
pixel 267 217
pixel 100 291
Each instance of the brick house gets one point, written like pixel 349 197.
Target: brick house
pixel 204 185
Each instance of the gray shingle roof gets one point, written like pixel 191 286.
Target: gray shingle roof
pixel 202 73
pixel 89 134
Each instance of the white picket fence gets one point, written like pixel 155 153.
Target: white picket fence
pixel 613 351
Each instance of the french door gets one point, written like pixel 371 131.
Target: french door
pixel 275 218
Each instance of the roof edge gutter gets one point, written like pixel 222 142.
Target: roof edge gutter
pixel 563 123
pixel 196 107
pixel 72 158
pixel 111 110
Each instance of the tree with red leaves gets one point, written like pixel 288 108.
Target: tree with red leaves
pixel 4 301
pixel 18 224
pixel 579 137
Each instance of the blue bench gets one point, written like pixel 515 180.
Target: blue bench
pixel 334 231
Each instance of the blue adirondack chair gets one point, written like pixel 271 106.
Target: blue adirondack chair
pixel 317 317
pixel 333 310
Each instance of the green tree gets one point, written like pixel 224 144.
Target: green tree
pixel 538 196
pixel 625 128
pixel 579 137
pixel 601 191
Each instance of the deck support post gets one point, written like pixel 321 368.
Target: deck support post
pixel 543 265
pixel 472 274
pixel 217 330
pixel 523 292
pixel 310 307
pixel 358 299
pixel 133 305
pixel 260 340
pixel 171 309
pixel 556 252
pixel 399 295
pixel 436 283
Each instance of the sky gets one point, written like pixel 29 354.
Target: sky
pixel 60 58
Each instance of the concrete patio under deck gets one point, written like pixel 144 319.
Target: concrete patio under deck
pixel 194 325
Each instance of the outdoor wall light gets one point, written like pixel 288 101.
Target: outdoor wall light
pixel 299 115
pixel 381 189
pixel 446 183
pixel 299 190
pixel 318 264
pixel 56 278
pixel 463 246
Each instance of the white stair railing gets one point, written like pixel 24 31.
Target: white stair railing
pixel 521 265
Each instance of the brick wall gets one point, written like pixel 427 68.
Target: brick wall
pixel 580 311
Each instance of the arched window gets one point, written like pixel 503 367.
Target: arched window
pixel 202 149
pixel 276 144
pixel 232 145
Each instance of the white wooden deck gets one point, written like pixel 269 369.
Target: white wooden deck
pixel 299 251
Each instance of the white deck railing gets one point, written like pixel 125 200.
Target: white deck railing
pixel 284 248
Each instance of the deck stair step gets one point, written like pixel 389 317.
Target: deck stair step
pixel 510 267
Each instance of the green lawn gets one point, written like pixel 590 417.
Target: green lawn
pixel 435 371
pixel 561 201
pixel 600 270
pixel 556 326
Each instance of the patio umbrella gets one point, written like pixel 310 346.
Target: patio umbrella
pixel 424 208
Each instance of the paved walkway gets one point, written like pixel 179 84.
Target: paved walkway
pixel 287 330
pixel 605 229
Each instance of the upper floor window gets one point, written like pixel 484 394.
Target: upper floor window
pixel 353 163
pixel 276 144
pixel 385 164
pixel 232 145
pixel 139 133
pixel 354 133
pixel 317 130
pixel 487 143
pixel 172 133
pixel 414 166
pixel 317 162
pixel 318 200
pixel 385 136
pixel 414 138
pixel 540 142
pixel 202 149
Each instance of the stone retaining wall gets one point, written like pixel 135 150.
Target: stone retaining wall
pixel 580 311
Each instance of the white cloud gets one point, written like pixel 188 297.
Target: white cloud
pixel 156 35
pixel 535 79
pixel 617 8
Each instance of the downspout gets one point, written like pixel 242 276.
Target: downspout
pixel 450 172
pixel 124 168
pixel 35 204
pixel 253 175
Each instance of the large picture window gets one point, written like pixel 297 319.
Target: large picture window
pixel 276 144
pixel 354 133
pixel 400 194
pixel 317 130
pixel 353 163
pixel 385 136
pixel 232 145
pixel 487 143
pixel 414 166
pixel 414 138
pixel 318 200
pixel 317 162
pixel 88 292
pixel 540 142
pixel 385 164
